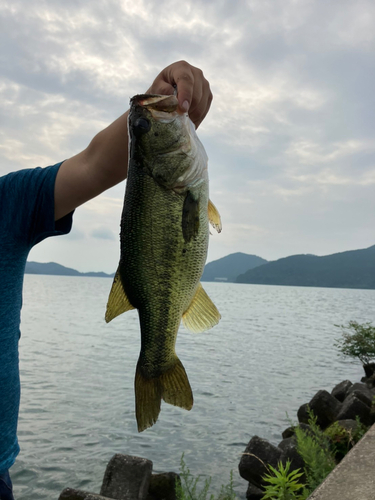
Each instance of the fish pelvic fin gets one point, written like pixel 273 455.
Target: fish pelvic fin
pixel 173 386
pixel 214 216
pixel 202 314
pixel 118 301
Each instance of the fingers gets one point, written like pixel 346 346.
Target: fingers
pixel 193 90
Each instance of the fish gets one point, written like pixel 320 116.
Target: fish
pixel 163 248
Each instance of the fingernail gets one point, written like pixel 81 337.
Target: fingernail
pixel 185 105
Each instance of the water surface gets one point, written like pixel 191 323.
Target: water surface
pixel 271 352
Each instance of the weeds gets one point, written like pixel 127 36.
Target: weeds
pixel 344 439
pixel 284 485
pixel 187 488
pixel 315 449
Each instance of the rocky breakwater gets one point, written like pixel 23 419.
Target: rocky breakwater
pixel 129 478
pixel 345 404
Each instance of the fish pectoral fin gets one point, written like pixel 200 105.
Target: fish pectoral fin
pixel 202 313
pixel 173 386
pixel 118 301
pixel 190 217
pixel 214 216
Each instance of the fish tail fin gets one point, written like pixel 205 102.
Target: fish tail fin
pixel 148 393
pixel 176 387
pixel 173 386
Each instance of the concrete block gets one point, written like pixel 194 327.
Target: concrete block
pixel 163 486
pixel 258 454
pixel 127 478
pixel 71 494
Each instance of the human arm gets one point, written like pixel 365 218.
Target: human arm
pixel 104 162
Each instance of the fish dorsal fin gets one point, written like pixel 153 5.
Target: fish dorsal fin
pixel 214 216
pixel 118 302
pixel 190 217
pixel 202 313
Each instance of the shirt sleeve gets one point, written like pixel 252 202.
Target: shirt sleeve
pixel 27 201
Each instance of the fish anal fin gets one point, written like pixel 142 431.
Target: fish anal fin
pixel 201 314
pixel 173 386
pixel 214 216
pixel 118 301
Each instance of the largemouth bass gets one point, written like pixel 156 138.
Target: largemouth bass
pixel 164 241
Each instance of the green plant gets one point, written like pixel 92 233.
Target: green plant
pixel 187 488
pixel 315 449
pixel 344 439
pixel 283 485
pixel 360 430
pixel 358 341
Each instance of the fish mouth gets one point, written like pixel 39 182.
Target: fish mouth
pixel 163 108
pixel 157 102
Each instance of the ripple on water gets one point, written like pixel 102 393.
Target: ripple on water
pixel 272 350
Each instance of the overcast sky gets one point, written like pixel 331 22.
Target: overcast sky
pixel 291 131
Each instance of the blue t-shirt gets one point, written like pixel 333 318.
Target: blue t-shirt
pixel 26 218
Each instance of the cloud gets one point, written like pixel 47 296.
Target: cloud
pixel 290 133
pixel 103 233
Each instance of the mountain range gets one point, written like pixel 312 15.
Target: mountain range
pixel 229 267
pixel 59 270
pixel 351 269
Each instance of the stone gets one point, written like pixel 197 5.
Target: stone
pixel 362 392
pixel 324 406
pixel 372 415
pixel 302 414
pixel 363 397
pixel 258 454
pixel 289 452
pixel 351 407
pixel 254 493
pixel 340 390
pixel 71 494
pixel 369 369
pixel 341 435
pixel 370 382
pixel 163 486
pixel 127 478
pixel 349 425
pixel 290 431
pixel 287 442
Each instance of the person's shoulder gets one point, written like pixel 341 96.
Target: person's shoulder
pixel 28 176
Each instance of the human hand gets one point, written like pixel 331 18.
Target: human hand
pixel 193 90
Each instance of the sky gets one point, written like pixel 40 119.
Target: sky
pixel 290 135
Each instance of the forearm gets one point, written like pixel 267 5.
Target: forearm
pixel 100 166
pixel 107 154
pixel 104 162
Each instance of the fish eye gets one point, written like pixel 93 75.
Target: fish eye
pixel 142 125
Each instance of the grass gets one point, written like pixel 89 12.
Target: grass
pixel 190 488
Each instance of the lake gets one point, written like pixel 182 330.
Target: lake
pixel 271 352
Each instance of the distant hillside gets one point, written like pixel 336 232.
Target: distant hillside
pixel 57 269
pixel 352 269
pixel 229 267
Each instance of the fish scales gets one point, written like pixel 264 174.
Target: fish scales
pixel 159 270
pixel 164 241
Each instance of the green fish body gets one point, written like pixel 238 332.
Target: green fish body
pixel 164 242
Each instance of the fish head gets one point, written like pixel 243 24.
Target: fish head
pixel 163 142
